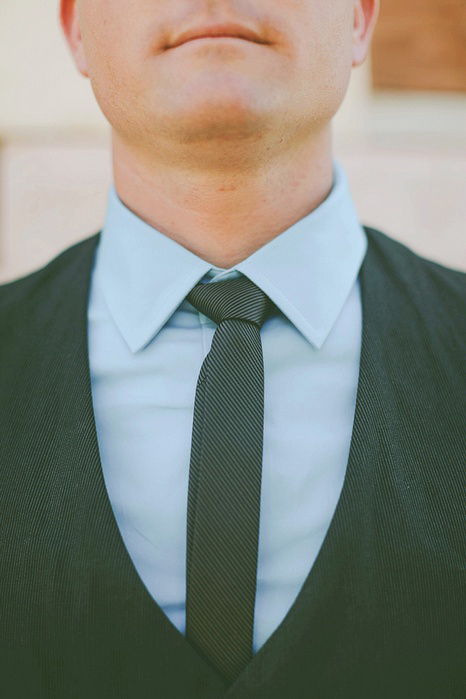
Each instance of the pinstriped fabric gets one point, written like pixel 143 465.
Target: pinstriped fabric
pixel 381 613
pixel 225 476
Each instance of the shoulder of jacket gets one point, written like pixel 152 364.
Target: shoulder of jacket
pixel 57 271
pixel 419 305
pixel 423 278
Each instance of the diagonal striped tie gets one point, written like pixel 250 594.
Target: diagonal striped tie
pixel 225 476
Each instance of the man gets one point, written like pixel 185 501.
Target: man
pixel 232 421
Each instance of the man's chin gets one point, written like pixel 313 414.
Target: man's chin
pixel 212 117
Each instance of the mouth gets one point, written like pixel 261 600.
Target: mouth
pixel 225 31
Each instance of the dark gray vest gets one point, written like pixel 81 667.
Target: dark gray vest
pixel 381 613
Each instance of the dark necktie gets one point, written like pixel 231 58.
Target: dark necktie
pixel 225 476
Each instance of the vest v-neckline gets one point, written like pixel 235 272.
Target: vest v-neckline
pixel 348 531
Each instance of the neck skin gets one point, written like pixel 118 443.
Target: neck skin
pixel 224 215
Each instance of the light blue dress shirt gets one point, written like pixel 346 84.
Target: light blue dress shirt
pixel 146 348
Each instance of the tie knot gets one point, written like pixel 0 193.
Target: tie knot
pixel 233 298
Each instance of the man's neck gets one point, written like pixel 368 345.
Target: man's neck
pixel 225 216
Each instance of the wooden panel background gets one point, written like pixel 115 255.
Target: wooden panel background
pixel 420 45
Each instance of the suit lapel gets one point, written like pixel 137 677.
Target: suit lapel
pixel 107 616
pixel 329 606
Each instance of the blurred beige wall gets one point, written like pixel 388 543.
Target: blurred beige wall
pixel 404 153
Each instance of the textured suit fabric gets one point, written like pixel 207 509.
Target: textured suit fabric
pixel 381 612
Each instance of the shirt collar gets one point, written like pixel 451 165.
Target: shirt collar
pixel 308 270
